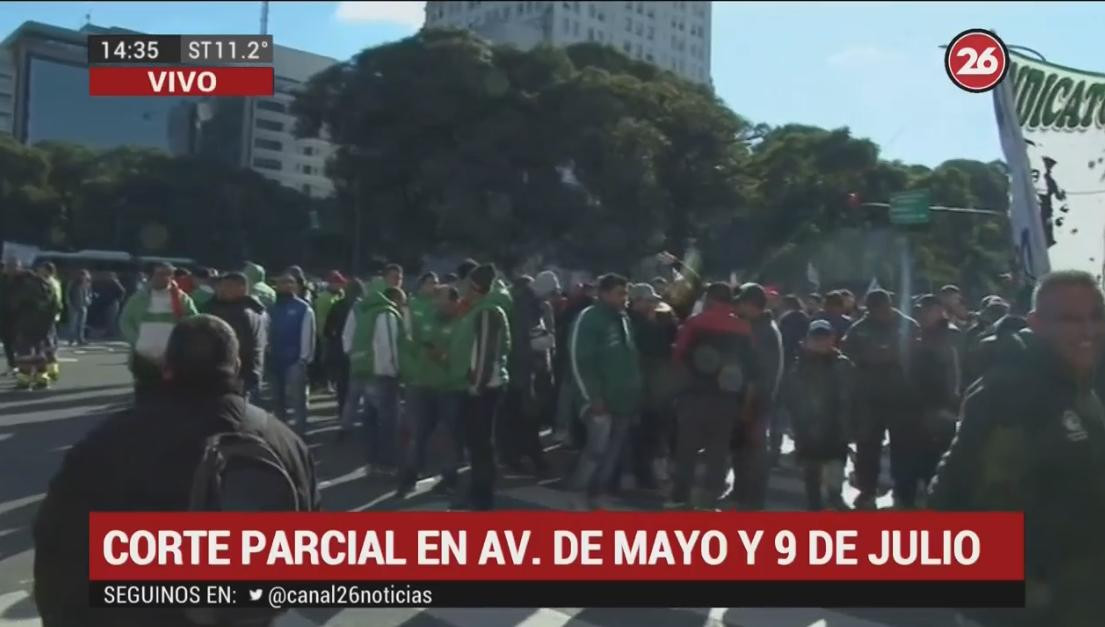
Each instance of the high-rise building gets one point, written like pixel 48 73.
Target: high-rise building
pixel 7 92
pixel 272 148
pixel 49 100
pixel 674 36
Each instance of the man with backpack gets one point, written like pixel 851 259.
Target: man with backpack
pixel 188 445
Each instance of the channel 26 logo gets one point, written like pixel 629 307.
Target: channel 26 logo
pixel 976 60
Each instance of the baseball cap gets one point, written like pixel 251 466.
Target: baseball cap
pixel 820 327
pixel 643 291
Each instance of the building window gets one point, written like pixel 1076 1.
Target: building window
pixel 576 7
pixel 591 10
pixel 629 25
pixel 651 33
pixel 627 47
pixel 602 16
pixel 648 57
pixel 308 169
pixel 640 8
pixel 270 105
pixel 521 8
pixel 268 144
pixel 567 24
pixel 575 29
pixel 267 164
pixel 309 150
pixel 306 188
pixel 270 125
pixel 650 13
pixel 590 34
pixel 640 28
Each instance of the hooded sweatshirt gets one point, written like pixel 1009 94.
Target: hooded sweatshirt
pixel 372 340
pixel 291 331
pixel 257 286
pixel 480 343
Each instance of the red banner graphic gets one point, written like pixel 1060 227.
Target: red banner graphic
pixel 180 81
pixel 556 546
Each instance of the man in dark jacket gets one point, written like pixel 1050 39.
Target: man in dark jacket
pixel 568 426
pixel 654 327
pixel 1032 439
pixel 715 349
pixel 750 460
pixel 337 360
pixel 936 378
pixel 33 306
pixel 999 347
pixel 143 459
pixel 817 393
pixel 882 345
pixel 793 324
pixel 12 268
pixel 833 313
pixel 246 315
pixel 519 418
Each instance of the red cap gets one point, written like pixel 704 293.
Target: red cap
pixel 335 277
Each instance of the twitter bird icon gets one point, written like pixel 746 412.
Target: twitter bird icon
pixel 255 595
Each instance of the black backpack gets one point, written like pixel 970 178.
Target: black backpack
pixel 240 472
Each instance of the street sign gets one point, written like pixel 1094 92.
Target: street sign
pixel 909 208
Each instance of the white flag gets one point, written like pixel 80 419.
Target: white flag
pixel 1024 208
pixel 872 286
pixel 813 276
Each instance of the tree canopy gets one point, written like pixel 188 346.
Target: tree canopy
pixel 583 156
pixel 580 156
pixel 69 197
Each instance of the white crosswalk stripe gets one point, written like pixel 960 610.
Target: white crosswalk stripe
pixel 785 482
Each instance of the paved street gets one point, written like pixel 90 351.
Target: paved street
pixel 36 428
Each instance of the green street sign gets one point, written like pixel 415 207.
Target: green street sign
pixel 909 208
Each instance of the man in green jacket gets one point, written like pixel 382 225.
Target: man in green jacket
pixel 479 349
pixel 605 367
pixel 1032 439
pixel 424 303
pixel 257 286
pixel 373 337
pixel 435 392
pixel 148 319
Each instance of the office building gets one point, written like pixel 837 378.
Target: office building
pixel 273 150
pixel 7 92
pixel 674 36
pixel 49 101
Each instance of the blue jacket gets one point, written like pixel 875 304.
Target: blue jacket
pixel 291 332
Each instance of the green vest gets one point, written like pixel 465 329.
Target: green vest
pixel 362 355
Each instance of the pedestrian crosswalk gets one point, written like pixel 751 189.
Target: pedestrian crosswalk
pixel 786 492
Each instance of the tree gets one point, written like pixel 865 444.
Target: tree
pixel 452 144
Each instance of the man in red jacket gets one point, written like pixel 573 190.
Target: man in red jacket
pixel 715 350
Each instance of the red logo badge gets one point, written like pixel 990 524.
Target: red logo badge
pixel 976 60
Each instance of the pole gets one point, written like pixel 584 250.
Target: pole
pixel 264 18
pixel 356 228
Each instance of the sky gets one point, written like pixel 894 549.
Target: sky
pixel 875 67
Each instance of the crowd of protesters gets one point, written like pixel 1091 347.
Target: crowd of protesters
pixel 645 382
